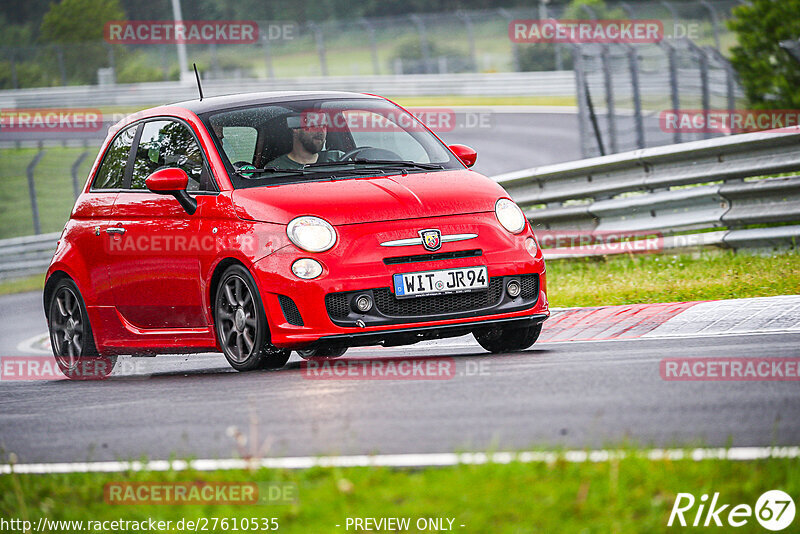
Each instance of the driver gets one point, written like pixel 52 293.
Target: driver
pixel 307 143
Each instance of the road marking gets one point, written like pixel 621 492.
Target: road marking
pixel 38 344
pixel 409 460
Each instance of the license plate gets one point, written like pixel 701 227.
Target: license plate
pixel 442 281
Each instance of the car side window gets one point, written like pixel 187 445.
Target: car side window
pixel 166 143
pixel 111 174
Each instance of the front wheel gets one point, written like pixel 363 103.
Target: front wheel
pixel 322 354
pixel 241 324
pixel 508 339
pixel 71 336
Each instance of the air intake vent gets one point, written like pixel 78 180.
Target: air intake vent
pixel 290 311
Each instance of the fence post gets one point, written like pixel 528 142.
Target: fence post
pixel 37 228
pixel 473 54
pixel 376 65
pixel 514 46
pixel 579 92
pixel 268 55
pixel 673 84
pixel 633 63
pixel 674 13
pixel 704 84
pixel 320 41
pixel 610 108
pixel 14 82
pixel 60 58
pixel 112 62
pixel 730 80
pixel 76 188
pixel 423 41
pixel 714 20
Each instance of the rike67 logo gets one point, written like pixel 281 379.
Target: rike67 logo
pixel 774 510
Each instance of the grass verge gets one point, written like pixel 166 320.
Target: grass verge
pixel 628 495
pixel 709 275
pixel 21 285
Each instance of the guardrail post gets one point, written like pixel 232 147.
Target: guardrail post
pixel 610 109
pixel 633 62
pixel 76 188
pixel 37 229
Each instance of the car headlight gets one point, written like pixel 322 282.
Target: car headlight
pixel 311 234
pixel 509 215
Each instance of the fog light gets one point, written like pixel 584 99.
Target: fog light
pixel 306 268
pixel 364 303
pixel 514 289
pixel 530 245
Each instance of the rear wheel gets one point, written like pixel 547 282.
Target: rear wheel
pixel 328 353
pixel 241 324
pixel 508 339
pixel 71 336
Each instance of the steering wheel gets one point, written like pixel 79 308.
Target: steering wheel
pixel 368 152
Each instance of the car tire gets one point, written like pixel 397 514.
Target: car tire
pixel 322 354
pixel 71 335
pixel 241 324
pixel 508 339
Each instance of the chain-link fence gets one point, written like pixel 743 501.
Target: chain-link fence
pixel 462 41
pixel 625 93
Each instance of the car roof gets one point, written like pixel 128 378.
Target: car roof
pixel 215 103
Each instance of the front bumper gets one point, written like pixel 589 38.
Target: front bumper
pixel 303 314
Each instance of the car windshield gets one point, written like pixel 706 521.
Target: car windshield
pixel 323 139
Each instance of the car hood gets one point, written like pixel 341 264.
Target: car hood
pixel 373 199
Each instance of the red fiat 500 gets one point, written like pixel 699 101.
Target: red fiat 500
pixel 265 223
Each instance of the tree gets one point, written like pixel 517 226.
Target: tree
pixel 73 21
pixel 769 75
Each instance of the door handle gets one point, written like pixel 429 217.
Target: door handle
pixel 115 230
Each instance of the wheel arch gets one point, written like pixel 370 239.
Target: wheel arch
pixel 49 286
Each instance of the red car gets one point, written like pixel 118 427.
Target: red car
pixel 264 223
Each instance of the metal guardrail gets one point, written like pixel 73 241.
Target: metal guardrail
pixel 680 192
pixel 545 83
pixel 692 194
pixel 24 256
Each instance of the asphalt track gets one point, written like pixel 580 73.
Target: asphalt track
pixel 558 393
pixel 592 381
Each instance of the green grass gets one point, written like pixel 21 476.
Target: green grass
pixel 20 285
pixel 670 278
pixel 628 495
pixel 53 184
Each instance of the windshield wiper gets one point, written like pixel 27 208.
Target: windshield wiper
pixel 248 173
pixel 381 162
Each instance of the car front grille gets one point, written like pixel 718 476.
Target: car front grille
pixel 392 306
pixel 387 306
